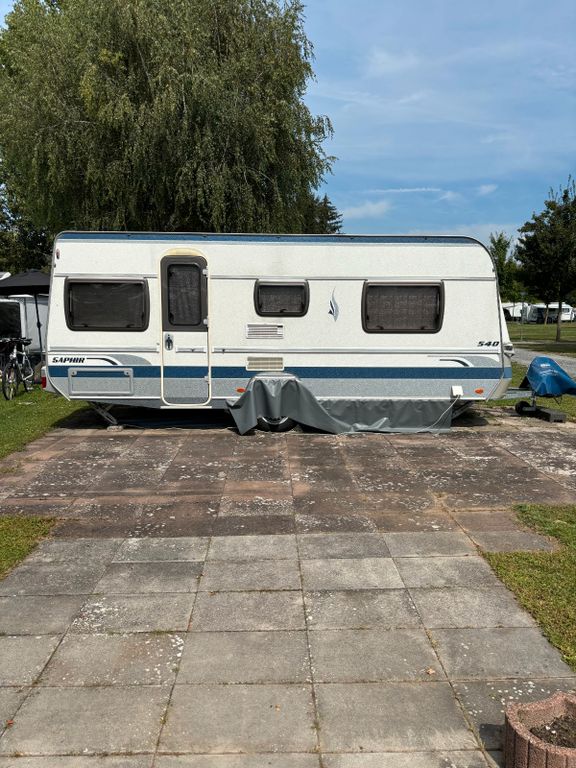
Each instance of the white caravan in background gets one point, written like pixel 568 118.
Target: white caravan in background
pixel 188 320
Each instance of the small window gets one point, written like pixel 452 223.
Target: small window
pixel 10 327
pixel 107 305
pixel 404 308
pixel 281 299
pixel 184 294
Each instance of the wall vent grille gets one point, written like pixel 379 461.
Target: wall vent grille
pixel 264 331
pixel 264 363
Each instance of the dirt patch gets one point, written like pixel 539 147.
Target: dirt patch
pixel 561 732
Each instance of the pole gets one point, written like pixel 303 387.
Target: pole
pixel 39 326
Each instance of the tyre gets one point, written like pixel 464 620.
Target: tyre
pixel 10 381
pixel 522 406
pixel 275 425
pixel 28 376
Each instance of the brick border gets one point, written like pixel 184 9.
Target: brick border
pixel 522 748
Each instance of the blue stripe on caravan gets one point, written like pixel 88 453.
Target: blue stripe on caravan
pixel 229 372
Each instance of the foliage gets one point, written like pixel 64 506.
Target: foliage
pixel 545 582
pixel 160 115
pixel 22 246
pixel 506 267
pixel 321 217
pixel 547 249
pixel 19 536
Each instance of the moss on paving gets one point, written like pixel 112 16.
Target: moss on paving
pixel 545 582
pixel 19 536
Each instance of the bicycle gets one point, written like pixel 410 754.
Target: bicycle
pixel 18 369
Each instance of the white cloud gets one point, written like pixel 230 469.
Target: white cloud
pixel 367 210
pixel 405 190
pixel 382 62
pixel 486 189
pixel 450 196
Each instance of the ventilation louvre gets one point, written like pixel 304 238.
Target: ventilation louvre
pixel 264 331
pixel 264 363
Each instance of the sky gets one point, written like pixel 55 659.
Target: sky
pixel 449 116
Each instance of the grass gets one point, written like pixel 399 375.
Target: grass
pixel 19 536
pixel 545 582
pixel 29 416
pixel 542 338
pixel 566 404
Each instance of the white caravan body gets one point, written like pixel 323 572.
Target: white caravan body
pixel 18 319
pixel 537 312
pixel 187 320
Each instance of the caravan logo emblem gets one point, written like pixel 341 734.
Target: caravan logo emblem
pixel 334 308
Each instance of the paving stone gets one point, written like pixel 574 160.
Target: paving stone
pixel 486 653
pixel 360 573
pixel 244 657
pixel 247 611
pixel 10 700
pixel 416 518
pixel 255 525
pixel 407 760
pixel 418 717
pixel 494 607
pixel 45 615
pixel 372 655
pixel 513 541
pixel 60 721
pixel 260 506
pixel 253 548
pixel 239 718
pixel 161 576
pixel 136 659
pixel 184 548
pixel 360 609
pixel 486 701
pixel 135 613
pixel 345 545
pixel 429 544
pixel 430 572
pixel 190 517
pixel 237 761
pixel 141 761
pixel 23 657
pixel 85 551
pixel 236 575
pixel 487 520
pixel 52 579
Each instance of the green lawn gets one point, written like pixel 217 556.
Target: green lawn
pixel 545 582
pixel 29 416
pixel 18 537
pixel 542 338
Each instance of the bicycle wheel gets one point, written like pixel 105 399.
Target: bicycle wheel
pixel 10 381
pixel 27 373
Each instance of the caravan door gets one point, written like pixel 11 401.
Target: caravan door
pixel 185 370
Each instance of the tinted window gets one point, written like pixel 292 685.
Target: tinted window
pixel 281 299
pixel 107 306
pixel 10 320
pixel 402 308
pixel 184 294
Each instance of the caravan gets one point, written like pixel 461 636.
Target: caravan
pixel 372 323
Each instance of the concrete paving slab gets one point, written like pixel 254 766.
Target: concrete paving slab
pixel 491 607
pixel 184 548
pixel 361 609
pixel 135 659
pixel 52 579
pixel 253 548
pixel 61 721
pixel 315 546
pixel 237 761
pixel 244 657
pixel 161 576
pixel 239 718
pixel 513 541
pixel 247 611
pixel 487 520
pixel 45 615
pixel 430 572
pixel 359 573
pixel 259 525
pixel 407 760
pixel 260 506
pixel 235 575
pixel 85 551
pixel 497 653
pixel 485 701
pixel 10 700
pixel 425 544
pixel 23 657
pixel 135 613
pixel 373 655
pixel 140 761
pixel 419 717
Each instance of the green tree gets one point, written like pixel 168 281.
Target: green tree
pixel 547 249
pixel 499 248
pixel 321 216
pixel 159 114
pixel 22 246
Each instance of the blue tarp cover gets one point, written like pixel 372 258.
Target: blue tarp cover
pixel 547 379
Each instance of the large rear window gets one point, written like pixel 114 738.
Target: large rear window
pixel 107 305
pixel 408 308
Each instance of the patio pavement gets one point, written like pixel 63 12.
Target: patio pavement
pixel 288 601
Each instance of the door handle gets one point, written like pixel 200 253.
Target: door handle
pixel 168 343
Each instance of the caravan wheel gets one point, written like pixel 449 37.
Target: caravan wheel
pixel 275 425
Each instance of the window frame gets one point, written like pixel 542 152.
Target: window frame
pixel 388 284
pixel 283 284
pixel 200 263
pixel 70 281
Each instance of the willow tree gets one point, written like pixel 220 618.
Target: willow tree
pixel 159 114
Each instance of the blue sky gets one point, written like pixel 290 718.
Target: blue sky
pixel 453 117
